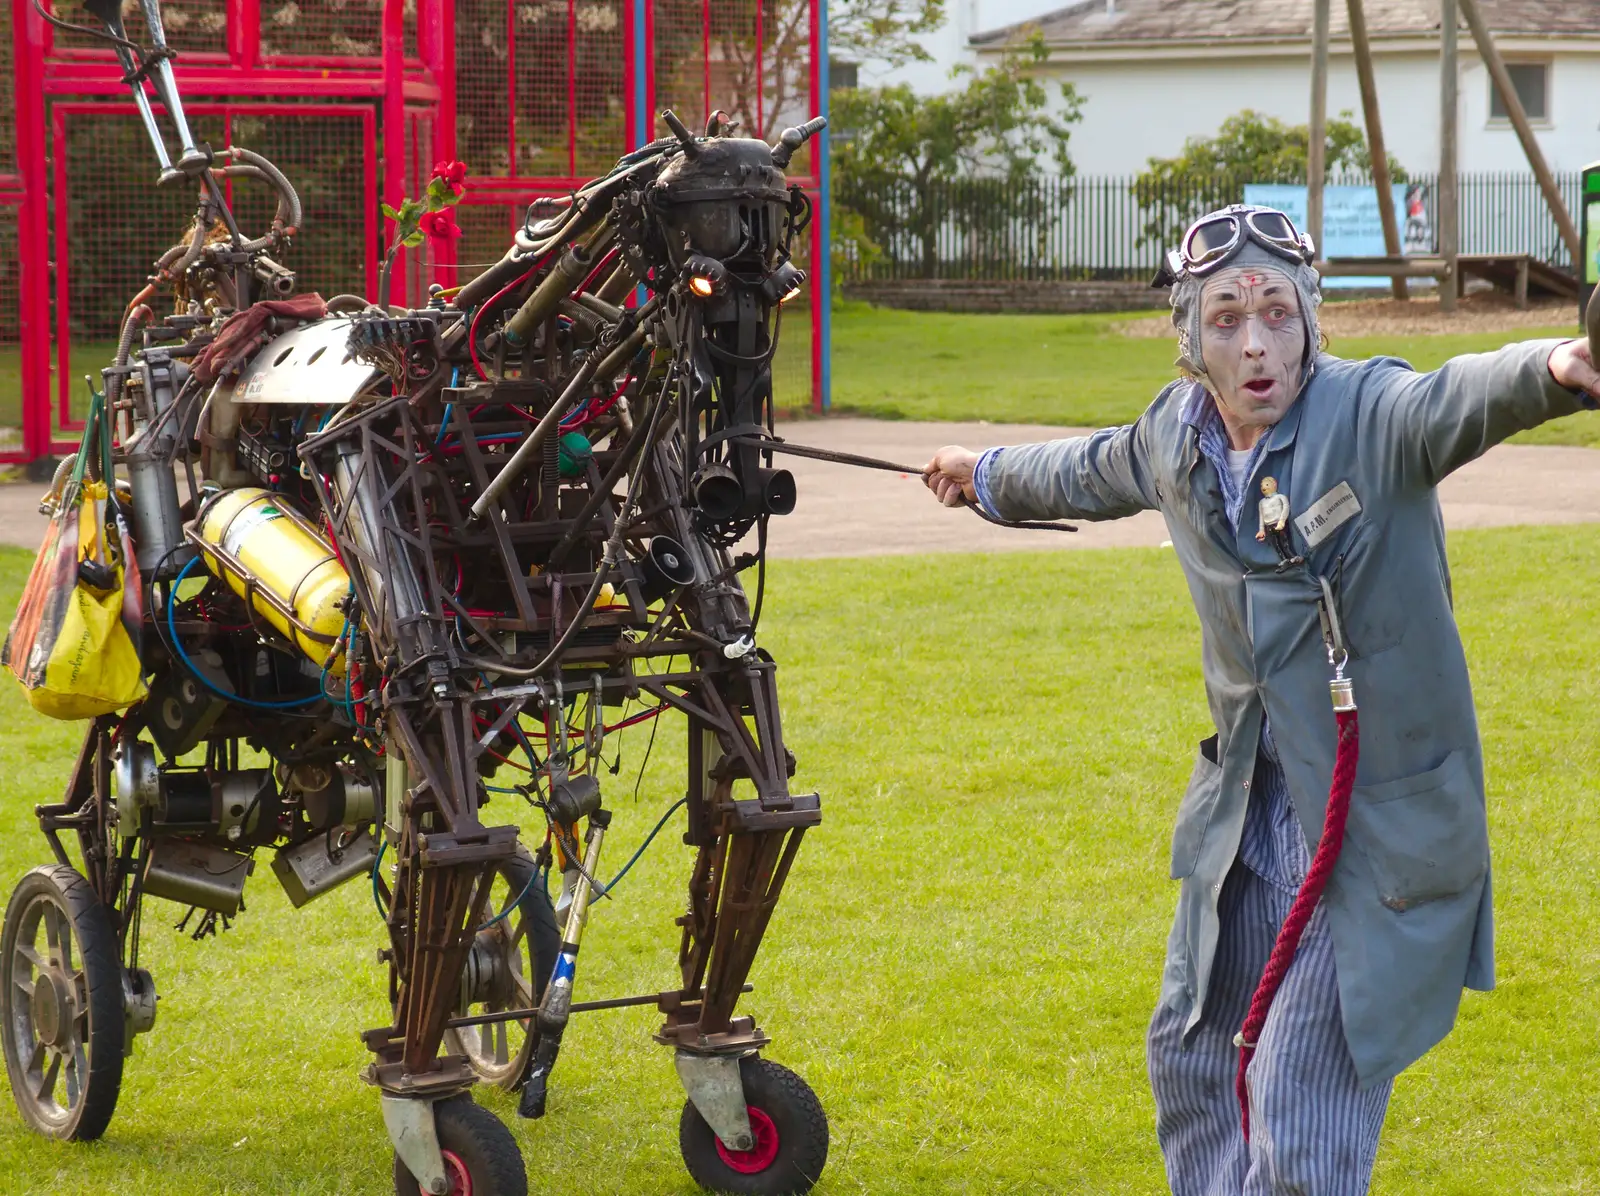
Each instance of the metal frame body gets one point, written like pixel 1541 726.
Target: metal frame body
pixel 459 488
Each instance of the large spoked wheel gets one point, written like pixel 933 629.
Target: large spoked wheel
pixel 61 1004
pixel 480 1155
pixel 790 1130
pixel 508 968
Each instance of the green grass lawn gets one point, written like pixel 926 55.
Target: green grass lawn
pixel 971 942
pixel 1073 370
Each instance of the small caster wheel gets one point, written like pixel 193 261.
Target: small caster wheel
pixel 508 967
pixel 791 1133
pixel 61 1005
pixel 480 1155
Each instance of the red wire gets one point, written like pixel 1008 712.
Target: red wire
pixel 608 260
pixel 472 332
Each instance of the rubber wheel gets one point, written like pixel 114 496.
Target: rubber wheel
pixel 480 1155
pixel 61 1011
pixel 791 1133
pixel 509 968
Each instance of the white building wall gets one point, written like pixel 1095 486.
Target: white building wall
pixel 1139 108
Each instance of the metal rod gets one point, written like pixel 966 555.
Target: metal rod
pixel 516 1015
pixel 529 448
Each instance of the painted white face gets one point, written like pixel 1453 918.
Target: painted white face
pixel 1252 342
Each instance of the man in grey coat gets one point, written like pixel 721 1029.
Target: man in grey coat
pixel 1357 448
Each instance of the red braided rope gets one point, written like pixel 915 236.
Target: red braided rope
pixel 1305 901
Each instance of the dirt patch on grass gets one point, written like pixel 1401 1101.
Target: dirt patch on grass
pixel 1481 311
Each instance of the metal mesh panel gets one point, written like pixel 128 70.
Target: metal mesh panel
pixel 118 223
pixel 324 157
pixel 680 61
pixel 193 26
pixel 540 87
pixel 599 86
pixel 485 110
pixel 10 350
pixel 485 236
pixel 324 28
pixel 751 58
pixel 543 74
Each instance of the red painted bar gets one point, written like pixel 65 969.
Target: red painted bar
pixel 28 30
pixel 394 123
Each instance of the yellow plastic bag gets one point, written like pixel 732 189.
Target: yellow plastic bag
pixel 74 644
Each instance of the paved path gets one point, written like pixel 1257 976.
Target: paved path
pixel 857 512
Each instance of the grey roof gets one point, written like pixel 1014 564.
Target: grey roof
pixel 1087 23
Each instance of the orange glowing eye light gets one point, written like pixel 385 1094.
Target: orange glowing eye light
pixel 702 286
pixel 790 295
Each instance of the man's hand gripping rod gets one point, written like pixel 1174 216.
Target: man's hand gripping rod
pixel 772 444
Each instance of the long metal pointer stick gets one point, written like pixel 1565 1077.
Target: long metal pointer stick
pixel 838 458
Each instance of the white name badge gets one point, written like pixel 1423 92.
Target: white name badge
pixel 1328 514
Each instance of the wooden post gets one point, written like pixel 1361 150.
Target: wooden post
pixel 1519 121
pixel 1375 147
pixel 1449 213
pixel 1316 146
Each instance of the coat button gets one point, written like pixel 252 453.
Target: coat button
pixel 1247 786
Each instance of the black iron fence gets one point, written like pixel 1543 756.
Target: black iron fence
pixel 1063 229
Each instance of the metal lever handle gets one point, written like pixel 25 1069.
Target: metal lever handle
pixel 681 132
pixel 792 139
pixel 192 160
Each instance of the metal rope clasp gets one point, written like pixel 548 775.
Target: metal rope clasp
pixel 1340 687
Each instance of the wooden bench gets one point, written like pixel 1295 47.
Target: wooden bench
pixel 1518 274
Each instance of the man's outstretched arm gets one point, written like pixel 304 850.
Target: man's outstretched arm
pixel 1429 425
pixel 1103 476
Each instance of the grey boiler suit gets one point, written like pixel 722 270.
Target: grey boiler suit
pixel 1405 922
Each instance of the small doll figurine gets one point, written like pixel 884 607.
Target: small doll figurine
pixel 1274 509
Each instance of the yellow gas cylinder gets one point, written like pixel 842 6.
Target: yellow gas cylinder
pixel 277 562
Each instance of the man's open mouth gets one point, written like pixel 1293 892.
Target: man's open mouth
pixel 1260 387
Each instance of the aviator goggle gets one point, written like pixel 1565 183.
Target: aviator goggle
pixel 1213 240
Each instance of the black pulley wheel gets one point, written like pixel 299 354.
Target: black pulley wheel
pixel 508 967
pixel 61 1008
pixel 790 1130
pixel 480 1155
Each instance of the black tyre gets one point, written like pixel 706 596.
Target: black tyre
pixel 791 1133
pixel 61 1010
pixel 480 1155
pixel 508 968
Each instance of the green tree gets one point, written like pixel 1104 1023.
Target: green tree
pixel 1212 172
pixel 910 165
pixel 882 31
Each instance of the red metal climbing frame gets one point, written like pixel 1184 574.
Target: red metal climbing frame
pixel 356 101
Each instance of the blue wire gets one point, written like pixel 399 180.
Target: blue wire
pixel 648 839
pixel 172 631
pixel 444 426
pixel 501 916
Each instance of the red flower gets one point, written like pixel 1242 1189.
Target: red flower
pixel 440 225
pixel 454 173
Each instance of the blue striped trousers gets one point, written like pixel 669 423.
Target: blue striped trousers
pixel 1313 1129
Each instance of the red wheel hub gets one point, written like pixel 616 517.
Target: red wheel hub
pixel 456 1171
pixel 760 1156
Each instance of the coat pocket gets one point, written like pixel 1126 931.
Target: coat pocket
pixel 1425 837
pixel 1194 812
